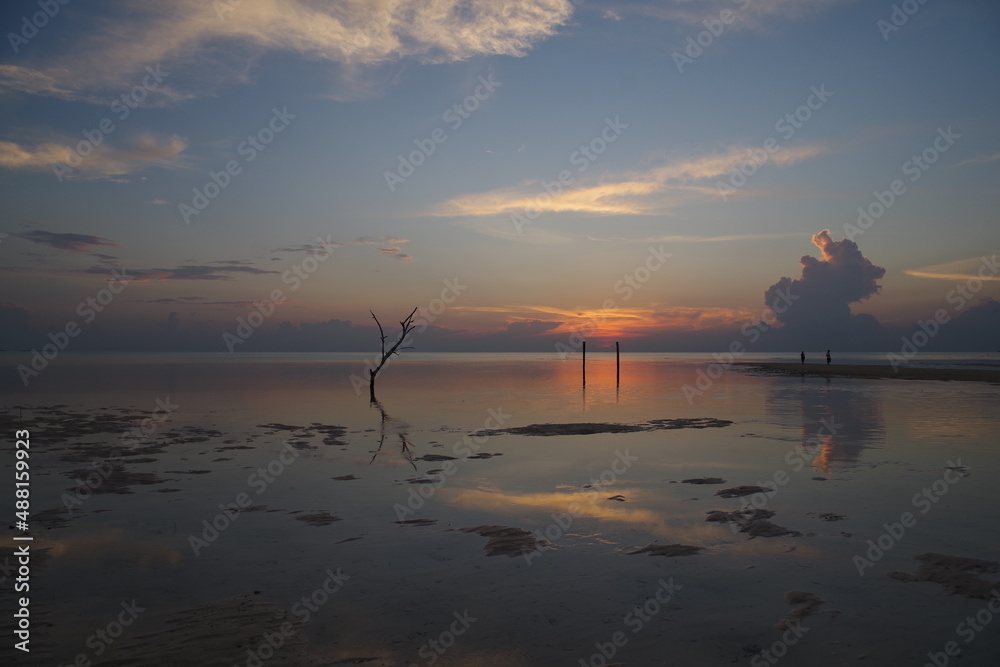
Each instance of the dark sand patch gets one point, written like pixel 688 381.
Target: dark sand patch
pixel 830 516
pixel 764 528
pixel 591 428
pixel 322 518
pixel 808 604
pixel 484 455
pixel 739 516
pixel 737 491
pixel 958 575
pixel 345 478
pixel 704 480
pixel 873 371
pixel 117 481
pixel 417 522
pixel 668 550
pixel 188 472
pixel 620 498
pixel 505 540
pixel 57 517
pixel 435 457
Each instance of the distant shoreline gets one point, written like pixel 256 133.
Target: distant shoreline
pixel 873 371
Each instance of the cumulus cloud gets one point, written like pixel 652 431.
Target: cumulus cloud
pixel 818 302
pixel 652 191
pixel 184 34
pixel 102 161
pixel 67 241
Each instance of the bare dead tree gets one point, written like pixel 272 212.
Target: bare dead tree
pixel 407 326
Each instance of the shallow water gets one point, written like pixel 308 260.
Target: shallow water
pixel 875 443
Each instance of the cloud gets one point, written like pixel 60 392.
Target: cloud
pixel 103 161
pixel 70 242
pixel 974 268
pixel 311 248
pixel 185 34
pixel 192 272
pixel 817 304
pixel 747 14
pixel 635 193
pixel 677 238
pixel 531 327
pixel 382 240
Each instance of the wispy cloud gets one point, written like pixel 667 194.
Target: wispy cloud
pixel 184 34
pixel 104 160
pixel 680 238
pixel 747 14
pixel 981 159
pixel 191 272
pixel 656 190
pixel 960 270
pixel 66 241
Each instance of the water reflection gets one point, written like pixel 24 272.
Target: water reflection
pixel 839 421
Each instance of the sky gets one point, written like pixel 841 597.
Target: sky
pixel 259 175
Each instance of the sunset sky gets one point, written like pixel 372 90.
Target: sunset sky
pixel 538 165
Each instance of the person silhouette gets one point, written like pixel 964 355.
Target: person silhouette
pixel 802 356
pixel 828 357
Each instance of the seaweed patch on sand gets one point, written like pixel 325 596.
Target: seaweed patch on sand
pixel 668 550
pixel 752 521
pixel 591 428
pixel 959 576
pixel 808 604
pixel 505 540
pixel 321 518
pixel 737 491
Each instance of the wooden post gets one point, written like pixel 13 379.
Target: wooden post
pixel 618 365
pixel 584 357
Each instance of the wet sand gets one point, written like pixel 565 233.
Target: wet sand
pixel 875 372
